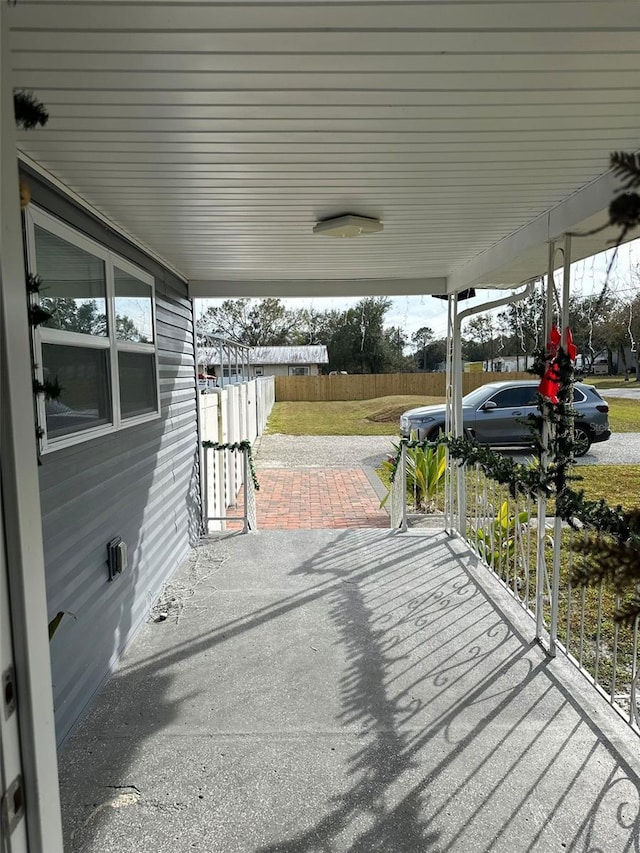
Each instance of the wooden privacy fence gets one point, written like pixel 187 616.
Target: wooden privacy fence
pixel 369 386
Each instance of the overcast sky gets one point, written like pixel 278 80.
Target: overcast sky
pixel 412 312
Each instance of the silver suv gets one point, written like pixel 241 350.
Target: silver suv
pixel 494 414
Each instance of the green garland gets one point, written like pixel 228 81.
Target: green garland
pixel 33 282
pixel 30 113
pixel 624 209
pixel 533 482
pixel 28 110
pixel 519 479
pixel 614 546
pixel 38 315
pixel 50 388
pixel 613 549
pixel 237 445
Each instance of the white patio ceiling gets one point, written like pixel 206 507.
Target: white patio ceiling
pixel 218 134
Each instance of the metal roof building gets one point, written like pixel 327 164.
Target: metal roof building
pixel 289 355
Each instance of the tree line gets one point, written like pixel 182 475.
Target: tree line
pixel 358 341
pixel 604 325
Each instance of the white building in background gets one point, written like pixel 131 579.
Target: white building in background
pixel 288 361
pixel 264 361
pixel 510 363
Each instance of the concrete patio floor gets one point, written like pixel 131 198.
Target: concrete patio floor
pixel 353 690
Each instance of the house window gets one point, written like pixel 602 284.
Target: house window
pixel 100 343
pixel 510 398
pixel 229 371
pixel 299 371
pixel 258 370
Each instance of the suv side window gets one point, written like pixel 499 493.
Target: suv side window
pixel 510 398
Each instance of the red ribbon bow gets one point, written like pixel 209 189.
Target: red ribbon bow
pixel 550 384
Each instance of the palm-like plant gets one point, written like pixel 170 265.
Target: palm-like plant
pixel 425 470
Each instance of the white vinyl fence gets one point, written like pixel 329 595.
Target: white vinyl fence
pixel 230 415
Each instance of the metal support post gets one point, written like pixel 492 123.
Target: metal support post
pixel 245 481
pixel 449 378
pixel 403 483
pixel 557 535
pixel 202 457
pixel 566 287
pixel 458 424
pixel 28 761
pixel 205 487
pixel 456 485
pixel 541 562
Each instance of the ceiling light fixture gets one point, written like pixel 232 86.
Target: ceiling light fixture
pixel 348 225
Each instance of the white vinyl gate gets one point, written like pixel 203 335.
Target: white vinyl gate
pixel 229 415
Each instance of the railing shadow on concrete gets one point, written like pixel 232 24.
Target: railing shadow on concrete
pixel 394 738
pixel 464 727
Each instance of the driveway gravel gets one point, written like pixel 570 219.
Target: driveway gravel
pixel 623 448
pixel 629 392
pixel 322 451
pixel 348 451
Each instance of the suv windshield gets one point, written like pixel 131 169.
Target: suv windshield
pixel 473 398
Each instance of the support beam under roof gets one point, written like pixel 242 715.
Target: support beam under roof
pixel 522 255
pixel 315 288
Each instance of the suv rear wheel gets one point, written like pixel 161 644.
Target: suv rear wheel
pixel 582 441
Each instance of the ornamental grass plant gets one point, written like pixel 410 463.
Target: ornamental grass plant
pixel 426 466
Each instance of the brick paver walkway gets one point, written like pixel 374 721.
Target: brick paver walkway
pixel 308 498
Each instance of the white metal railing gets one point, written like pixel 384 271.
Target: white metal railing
pixel 227 478
pixel 533 555
pixel 398 497
pixel 522 547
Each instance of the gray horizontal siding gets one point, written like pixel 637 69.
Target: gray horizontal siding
pixel 140 483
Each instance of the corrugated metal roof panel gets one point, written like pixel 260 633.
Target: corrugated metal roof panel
pixel 289 355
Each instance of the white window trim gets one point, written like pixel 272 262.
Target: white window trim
pixel 305 367
pixel 36 216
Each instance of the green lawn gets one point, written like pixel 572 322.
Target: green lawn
pixel 617 484
pixel 380 416
pixel 624 415
pixel 353 417
pixel 604 382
